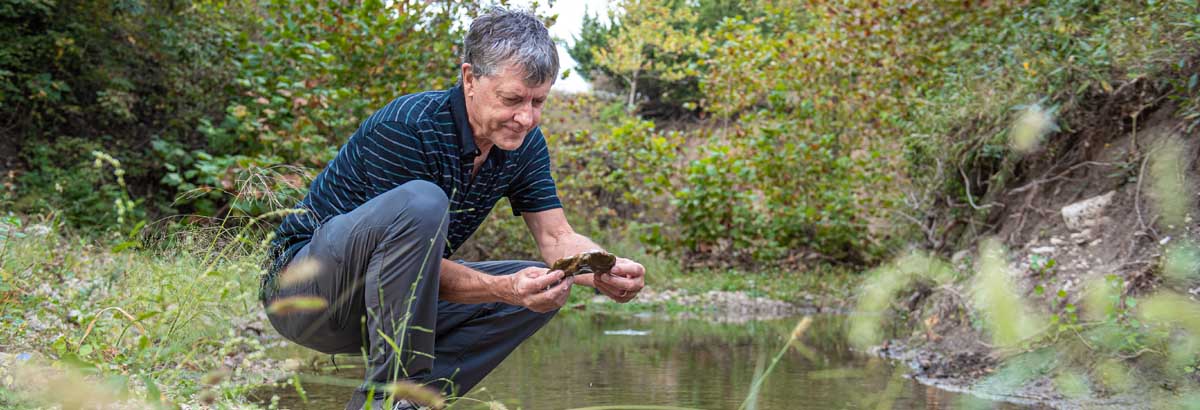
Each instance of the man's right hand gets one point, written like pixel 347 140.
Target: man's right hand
pixel 539 289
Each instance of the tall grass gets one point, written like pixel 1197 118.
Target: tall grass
pixel 152 321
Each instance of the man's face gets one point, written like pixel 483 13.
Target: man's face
pixel 501 107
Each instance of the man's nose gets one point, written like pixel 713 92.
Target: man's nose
pixel 524 115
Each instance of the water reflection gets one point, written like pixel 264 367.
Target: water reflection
pixel 585 360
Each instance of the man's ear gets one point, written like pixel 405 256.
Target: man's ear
pixel 468 79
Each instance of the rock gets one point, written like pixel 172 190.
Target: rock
pixel 1043 250
pixel 38 230
pixel 1056 241
pixel 1081 237
pixel 960 256
pixel 1087 212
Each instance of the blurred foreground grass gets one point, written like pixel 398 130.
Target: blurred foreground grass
pixel 173 324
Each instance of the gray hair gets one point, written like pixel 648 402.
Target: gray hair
pixel 503 36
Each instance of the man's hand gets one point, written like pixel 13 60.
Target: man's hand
pixel 539 289
pixel 624 282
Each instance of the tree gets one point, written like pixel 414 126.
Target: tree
pixel 650 38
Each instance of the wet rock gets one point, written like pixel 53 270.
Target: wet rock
pixel 718 305
pixel 1043 250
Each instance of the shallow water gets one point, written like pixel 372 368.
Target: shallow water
pixel 585 360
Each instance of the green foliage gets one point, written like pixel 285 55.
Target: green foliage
pixel 148 316
pixel 825 115
pixel 821 122
pixel 82 76
pixel 214 108
pixel 659 38
pixel 782 192
pixel 651 40
pixel 308 72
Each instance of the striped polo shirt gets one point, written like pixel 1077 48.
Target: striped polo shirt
pixel 422 136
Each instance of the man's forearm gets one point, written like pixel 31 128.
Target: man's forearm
pixel 460 284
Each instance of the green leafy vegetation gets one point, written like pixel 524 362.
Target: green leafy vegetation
pixel 766 147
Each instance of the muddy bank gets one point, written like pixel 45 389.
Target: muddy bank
pixel 1079 216
pixel 717 305
pixel 967 372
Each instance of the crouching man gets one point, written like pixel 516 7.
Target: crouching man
pixel 408 188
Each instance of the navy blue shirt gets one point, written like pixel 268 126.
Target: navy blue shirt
pixel 422 136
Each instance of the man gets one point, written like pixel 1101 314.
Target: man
pixel 409 187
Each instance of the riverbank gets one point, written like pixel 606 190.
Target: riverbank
pixel 1081 299
pixel 179 323
pixel 150 326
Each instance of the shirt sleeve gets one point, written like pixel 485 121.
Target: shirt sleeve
pixel 390 155
pixel 533 189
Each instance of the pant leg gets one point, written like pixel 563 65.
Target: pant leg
pixel 472 339
pixel 378 268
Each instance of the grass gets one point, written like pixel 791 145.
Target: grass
pixel 151 324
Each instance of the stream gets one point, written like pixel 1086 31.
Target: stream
pixel 585 360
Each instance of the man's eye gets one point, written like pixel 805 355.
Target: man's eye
pixel 512 100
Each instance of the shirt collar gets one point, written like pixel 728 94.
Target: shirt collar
pixel 458 108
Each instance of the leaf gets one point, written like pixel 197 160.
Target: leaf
pixel 124 245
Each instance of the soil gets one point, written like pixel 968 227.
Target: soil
pixel 1126 238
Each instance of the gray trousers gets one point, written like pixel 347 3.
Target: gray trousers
pixel 378 268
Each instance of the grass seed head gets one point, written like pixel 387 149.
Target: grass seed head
pixel 416 393
pixel 1031 126
pixel 214 377
pixel 995 294
pixel 299 272
pixel 207 397
pixel 1182 262
pixel 801 327
pixel 297 304
pixel 1168 184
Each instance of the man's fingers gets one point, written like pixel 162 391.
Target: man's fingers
pixel 554 297
pixel 629 269
pixel 563 286
pixel 620 283
pixel 550 278
pixel 563 290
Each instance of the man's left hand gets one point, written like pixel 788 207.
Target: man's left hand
pixel 623 283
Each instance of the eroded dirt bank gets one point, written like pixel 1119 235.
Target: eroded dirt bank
pixel 1084 213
